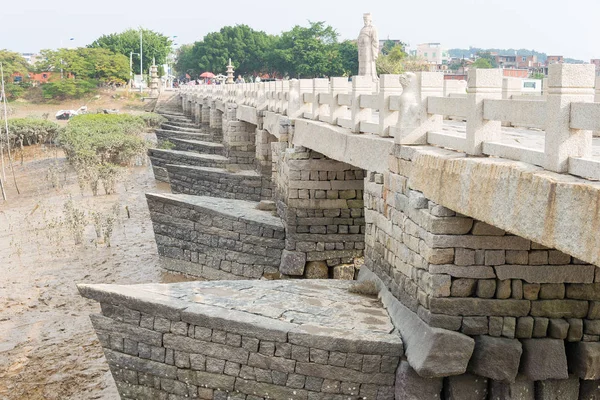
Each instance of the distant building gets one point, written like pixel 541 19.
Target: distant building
pixel 555 60
pixel 31 58
pixel 515 73
pixel 434 53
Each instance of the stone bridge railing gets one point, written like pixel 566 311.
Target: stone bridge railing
pixel 411 109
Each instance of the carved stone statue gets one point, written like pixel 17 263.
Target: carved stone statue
pixel 368 49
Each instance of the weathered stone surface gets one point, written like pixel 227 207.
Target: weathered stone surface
pixel 540 327
pixel 554 389
pixel 316 270
pixel 344 272
pixel 475 272
pixel 479 307
pixel 558 328
pixel 473 326
pixel 547 273
pixel 466 387
pixel 575 330
pixel 431 352
pixel 559 308
pixel 496 358
pixel 292 263
pixel 544 359
pixel 409 385
pixel 584 359
pixel 521 389
pixel 347 374
pixel 451 322
pixel 125 361
pixel 120 329
pixel 584 291
pixel 524 327
pixel 486 288
pixel 481 228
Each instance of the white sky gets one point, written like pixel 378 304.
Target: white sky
pixel 568 28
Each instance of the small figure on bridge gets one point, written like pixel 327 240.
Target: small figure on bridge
pixel 368 49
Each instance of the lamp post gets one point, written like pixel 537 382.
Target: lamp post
pixel 131 68
pixel 61 60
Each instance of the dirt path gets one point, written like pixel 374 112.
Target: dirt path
pixel 48 349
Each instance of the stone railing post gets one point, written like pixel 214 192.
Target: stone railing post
pixel 360 85
pixel 389 85
pixel 285 90
pixel 277 96
pixel 261 97
pixel 414 121
pixel 511 87
pixel 270 89
pixel 481 84
pixel 338 86
pixel 296 105
pixel 320 85
pixel 597 99
pixel 567 83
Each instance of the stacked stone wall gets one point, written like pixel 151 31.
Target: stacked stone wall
pixel 238 138
pixel 321 202
pixel 221 234
pixel 214 182
pixel 161 158
pixel 158 348
pixel 215 122
pixel 198 146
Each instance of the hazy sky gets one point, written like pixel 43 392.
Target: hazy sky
pixel 569 28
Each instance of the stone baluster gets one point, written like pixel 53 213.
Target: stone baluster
pixel 285 90
pixel 597 99
pixel 338 86
pixel 481 84
pixel 389 86
pixel 320 85
pixel 271 96
pixel 567 83
pixel 261 96
pixel 511 87
pixel 296 104
pixel 360 85
pixel 414 120
pixel 278 97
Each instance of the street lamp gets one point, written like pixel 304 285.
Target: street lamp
pixel 61 60
pixel 131 68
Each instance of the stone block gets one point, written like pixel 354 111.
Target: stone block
pixel 552 291
pixel 344 272
pixel 338 374
pixel 494 257
pixel 558 328
pixel 464 257
pixel 409 385
pixel 509 327
pixel 486 289
pixel 269 390
pixel 450 322
pixel 463 287
pixel 558 389
pixel 517 257
pixel 316 270
pixel 479 307
pixel 584 291
pixel 473 326
pixel 524 327
pixel 531 291
pixel 548 273
pixel 292 263
pixel 495 326
pixel 540 327
pixel 559 308
pixel 594 311
pixel 481 228
pixel 496 358
pixel 517 289
pixel 466 387
pixel 575 330
pixel 544 359
pixel 503 289
pixel 521 389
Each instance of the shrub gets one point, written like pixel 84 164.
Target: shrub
pixel 69 89
pixel 153 120
pixel 30 131
pixel 97 144
pixel 166 145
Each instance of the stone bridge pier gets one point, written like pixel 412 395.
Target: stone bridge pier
pixel 350 259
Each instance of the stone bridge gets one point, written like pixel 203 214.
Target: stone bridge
pixel 477 216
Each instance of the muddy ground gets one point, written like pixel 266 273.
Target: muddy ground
pixel 48 349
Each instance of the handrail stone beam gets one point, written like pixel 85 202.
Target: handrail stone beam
pixel 361 85
pixel 388 118
pixel 482 84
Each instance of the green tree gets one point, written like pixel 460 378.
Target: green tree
pixel 96 64
pixel 155 46
pixel 308 52
pixel 537 75
pixel 481 63
pixel 14 65
pixel 392 62
pixel 489 57
pixel 349 57
pixel 186 62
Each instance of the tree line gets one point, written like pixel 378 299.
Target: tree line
pixel 311 51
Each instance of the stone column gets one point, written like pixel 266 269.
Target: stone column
pixel 338 86
pixel 481 84
pixel 360 85
pixel 389 86
pixel 567 83
pixel 320 85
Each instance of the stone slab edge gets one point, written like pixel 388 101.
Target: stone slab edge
pixel 269 221
pixel 431 352
pixel 369 152
pixel 240 322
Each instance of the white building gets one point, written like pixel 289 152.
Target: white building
pixel 434 53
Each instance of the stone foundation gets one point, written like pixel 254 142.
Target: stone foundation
pixel 222 234
pixel 161 158
pixel 246 340
pixel 198 146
